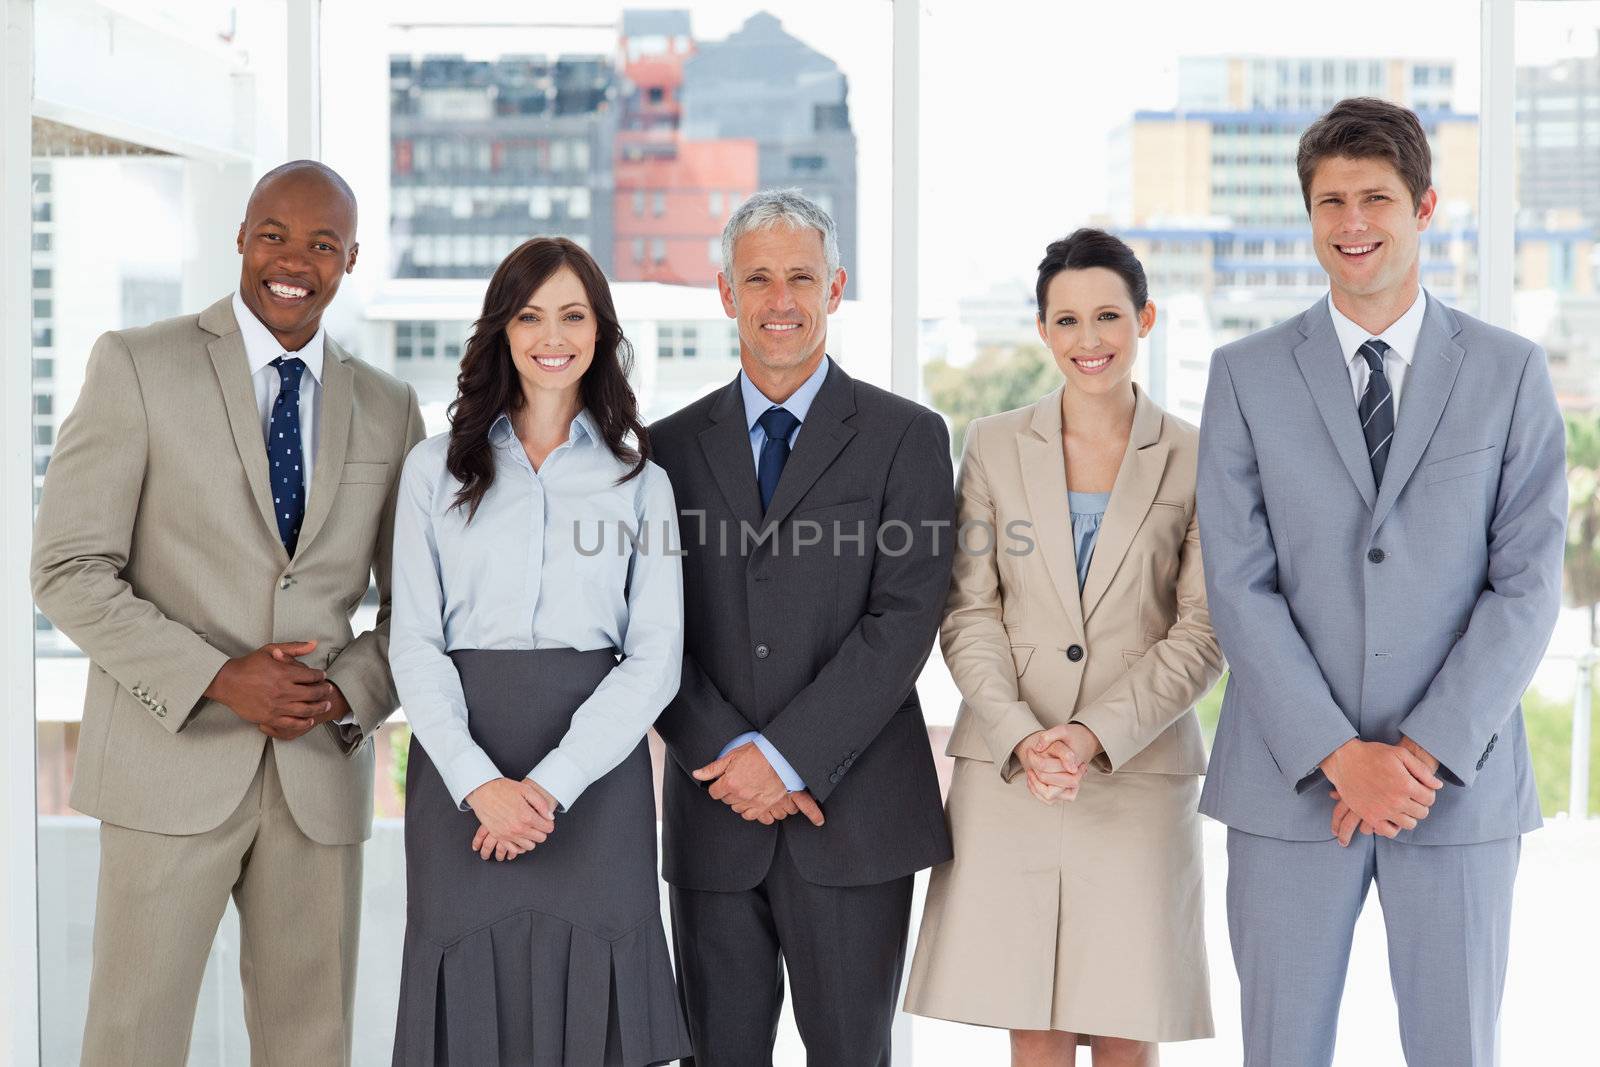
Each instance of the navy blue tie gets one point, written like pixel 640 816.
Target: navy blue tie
pixel 778 424
pixel 285 454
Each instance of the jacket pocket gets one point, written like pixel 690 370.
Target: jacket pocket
pixel 1020 655
pixel 1444 470
pixel 365 474
pixel 1130 658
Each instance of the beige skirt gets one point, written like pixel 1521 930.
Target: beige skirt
pixel 1085 916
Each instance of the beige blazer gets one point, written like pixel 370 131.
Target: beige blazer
pixel 1130 656
pixel 156 551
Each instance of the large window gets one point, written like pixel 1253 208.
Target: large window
pixel 636 129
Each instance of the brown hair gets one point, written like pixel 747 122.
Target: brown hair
pixel 1364 127
pixel 488 385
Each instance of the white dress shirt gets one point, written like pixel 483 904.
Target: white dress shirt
pixel 1401 337
pixel 260 349
pixel 545 563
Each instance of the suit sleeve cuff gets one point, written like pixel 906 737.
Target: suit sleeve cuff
pixel 1016 722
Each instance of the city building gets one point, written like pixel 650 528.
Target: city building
pixel 763 84
pixel 1558 141
pixel 488 152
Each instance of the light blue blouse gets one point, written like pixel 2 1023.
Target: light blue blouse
pixel 561 557
pixel 1088 509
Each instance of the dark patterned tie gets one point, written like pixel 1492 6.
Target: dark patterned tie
pixel 1376 409
pixel 778 424
pixel 285 454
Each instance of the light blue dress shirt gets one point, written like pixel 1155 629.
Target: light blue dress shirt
pixel 756 405
pixel 1088 510
pixel 562 557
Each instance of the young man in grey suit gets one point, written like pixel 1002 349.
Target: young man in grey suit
pixel 1382 500
pixel 815 512
pixel 220 495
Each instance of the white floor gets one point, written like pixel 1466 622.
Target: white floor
pixel 1552 990
pixel 1552 994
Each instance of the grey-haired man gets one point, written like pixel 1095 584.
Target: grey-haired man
pixel 801 797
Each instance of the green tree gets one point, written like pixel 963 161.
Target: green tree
pixel 998 380
pixel 1582 561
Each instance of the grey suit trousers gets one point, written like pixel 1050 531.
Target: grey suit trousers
pixel 1292 909
pixel 160 899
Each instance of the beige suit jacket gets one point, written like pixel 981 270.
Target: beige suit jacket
pixel 1131 655
pixel 155 550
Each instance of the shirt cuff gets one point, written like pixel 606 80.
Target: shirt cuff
pixel 558 775
pixel 791 778
pixel 467 772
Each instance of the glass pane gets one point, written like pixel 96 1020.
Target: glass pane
pixel 128 230
pixel 634 129
pixel 1557 304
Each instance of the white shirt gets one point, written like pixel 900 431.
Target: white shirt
pixel 260 349
pixel 545 563
pixel 1401 337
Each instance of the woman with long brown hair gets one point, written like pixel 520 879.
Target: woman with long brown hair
pixel 531 547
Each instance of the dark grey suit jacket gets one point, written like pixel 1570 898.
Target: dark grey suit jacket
pixel 817 645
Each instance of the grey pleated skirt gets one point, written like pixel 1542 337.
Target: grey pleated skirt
pixel 556 958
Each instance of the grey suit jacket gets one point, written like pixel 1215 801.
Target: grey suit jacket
pixel 155 549
pixel 818 647
pixel 1422 609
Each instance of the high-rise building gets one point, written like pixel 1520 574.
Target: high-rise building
pixel 1310 83
pixel 1558 141
pixel 673 194
pixel 763 84
pixel 487 153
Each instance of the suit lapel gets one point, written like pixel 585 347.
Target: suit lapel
pixel 1327 375
pixel 726 444
pixel 1138 479
pixel 1044 480
pixel 1427 386
pixel 823 436
pixel 244 418
pixel 333 413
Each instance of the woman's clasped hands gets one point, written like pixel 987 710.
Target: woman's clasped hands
pixel 513 817
pixel 1056 759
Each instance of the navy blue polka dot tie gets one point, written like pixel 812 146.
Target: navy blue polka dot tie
pixel 285 454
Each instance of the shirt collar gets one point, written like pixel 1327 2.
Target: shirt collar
pixel 583 427
pixel 756 402
pixel 261 348
pixel 1401 336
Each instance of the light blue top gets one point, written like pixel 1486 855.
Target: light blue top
pixel 561 557
pixel 756 405
pixel 1088 509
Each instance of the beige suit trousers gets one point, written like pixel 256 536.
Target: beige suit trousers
pixel 160 900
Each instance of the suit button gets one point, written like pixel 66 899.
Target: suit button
pixel 161 712
pixel 1074 652
pixel 762 652
pixel 288 580
pixel 1376 555
pixel 834 777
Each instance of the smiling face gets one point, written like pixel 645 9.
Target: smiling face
pixel 781 294
pixel 1366 231
pixel 1093 329
pixel 298 239
pixel 552 337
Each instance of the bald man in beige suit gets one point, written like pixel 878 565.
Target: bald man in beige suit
pixel 226 744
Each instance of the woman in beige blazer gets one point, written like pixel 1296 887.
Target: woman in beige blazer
pixel 1077 631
